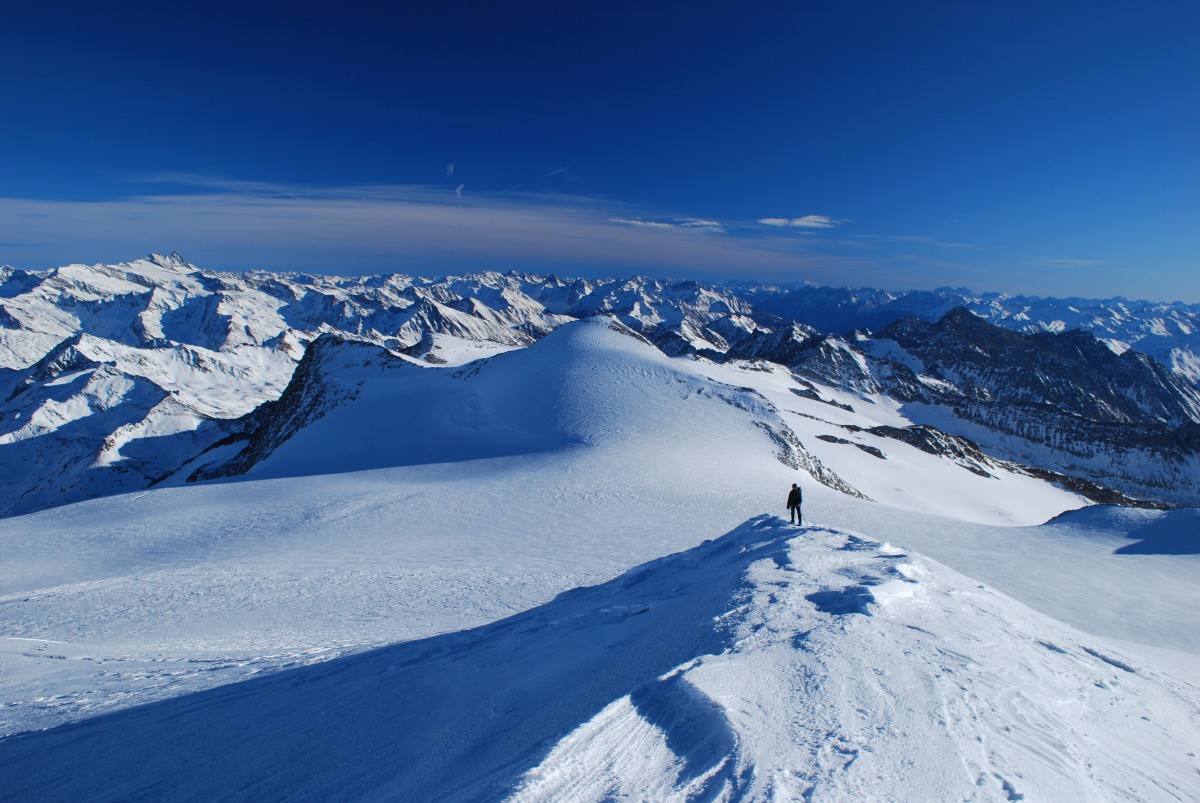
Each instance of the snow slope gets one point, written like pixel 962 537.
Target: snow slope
pixel 562 452
pixel 591 383
pixel 772 663
pixel 364 615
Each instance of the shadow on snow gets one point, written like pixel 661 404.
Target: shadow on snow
pixel 455 716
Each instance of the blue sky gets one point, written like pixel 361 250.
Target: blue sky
pixel 1048 148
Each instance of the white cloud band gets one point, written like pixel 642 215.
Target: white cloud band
pixel 806 222
pixel 418 229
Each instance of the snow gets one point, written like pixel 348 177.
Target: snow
pixel 454 351
pixel 819 695
pixel 908 478
pixel 772 663
pixel 552 574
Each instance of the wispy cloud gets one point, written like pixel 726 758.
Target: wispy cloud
pixel 1059 262
pixel 911 238
pixel 684 223
pixel 641 224
pixel 433 230
pixel 220 223
pixel 806 222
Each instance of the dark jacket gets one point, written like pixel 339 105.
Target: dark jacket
pixel 794 498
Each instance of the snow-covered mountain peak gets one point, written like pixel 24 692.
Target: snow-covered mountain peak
pixel 171 262
pixel 593 383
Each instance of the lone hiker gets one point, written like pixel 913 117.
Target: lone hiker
pixel 793 503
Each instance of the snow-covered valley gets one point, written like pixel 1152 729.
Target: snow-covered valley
pixel 559 573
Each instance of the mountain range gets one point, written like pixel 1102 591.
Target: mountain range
pixel 116 377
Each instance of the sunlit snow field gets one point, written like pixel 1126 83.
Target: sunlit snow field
pixel 937 639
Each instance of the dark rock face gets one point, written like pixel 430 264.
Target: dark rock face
pixel 307 398
pixel 934 441
pixel 1072 372
pixel 1062 401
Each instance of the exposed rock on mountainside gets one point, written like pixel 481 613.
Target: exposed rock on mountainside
pixel 934 441
pixel 1168 332
pixel 307 397
pixel 1061 402
pixel 1072 372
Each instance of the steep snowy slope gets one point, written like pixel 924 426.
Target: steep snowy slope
pixel 771 663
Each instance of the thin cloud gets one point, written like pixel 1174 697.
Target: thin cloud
pixel 699 223
pixel 1059 262
pixel 643 224
pixel 806 222
pixel 380 229
pixel 220 184
pixel 424 230
pixel 911 238
pixel 686 223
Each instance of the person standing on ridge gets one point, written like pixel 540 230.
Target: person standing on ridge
pixel 793 503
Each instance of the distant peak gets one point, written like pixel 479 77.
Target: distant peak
pixel 959 316
pixel 173 261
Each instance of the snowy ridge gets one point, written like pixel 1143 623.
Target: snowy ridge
pixel 592 383
pixel 771 663
pixel 835 634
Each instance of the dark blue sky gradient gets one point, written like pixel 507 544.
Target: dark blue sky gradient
pixel 1041 147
